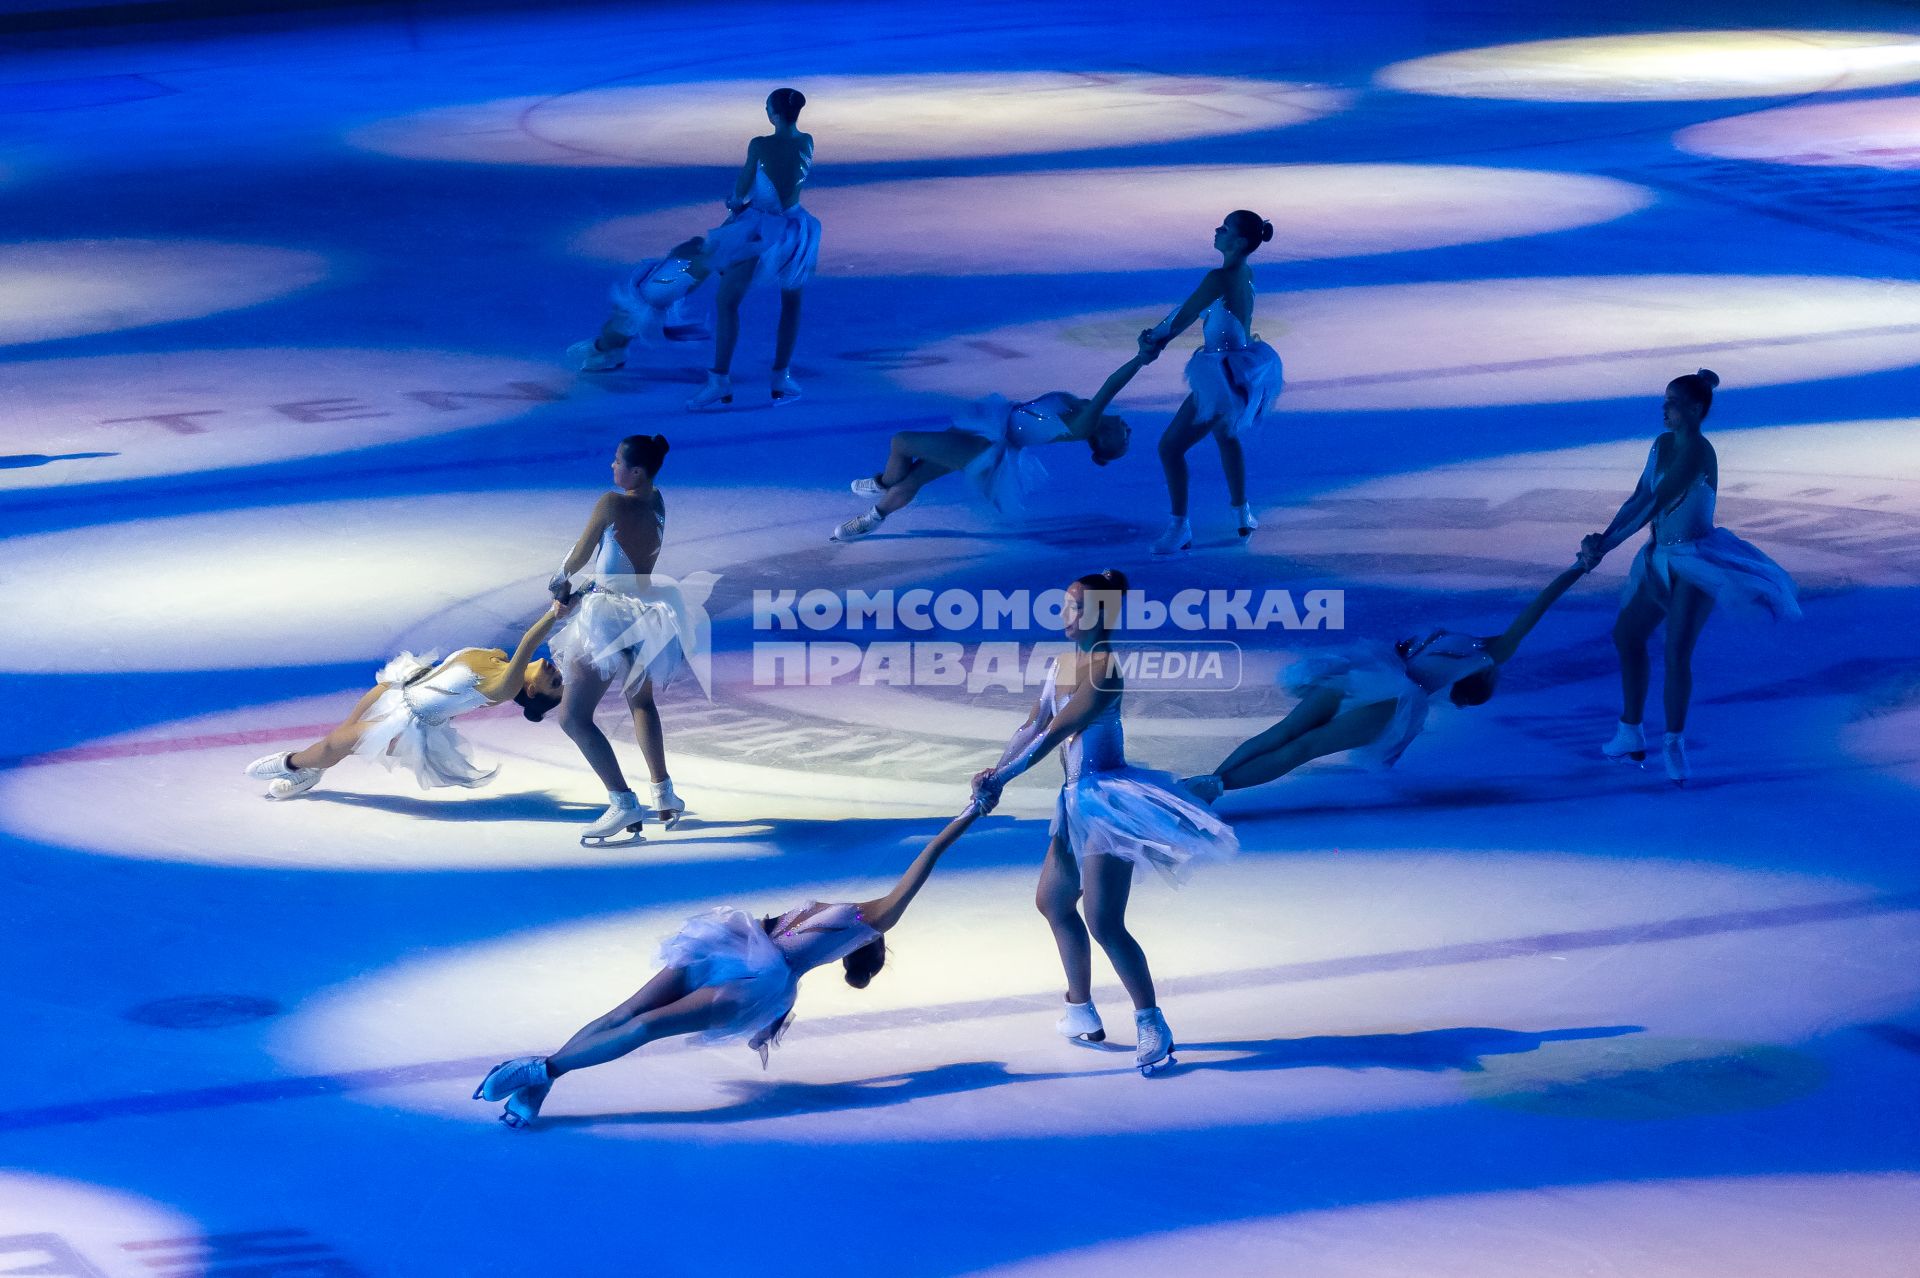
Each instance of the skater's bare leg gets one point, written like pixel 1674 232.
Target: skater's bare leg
pixel 339 743
pixel 1631 630
pixel 1233 460
pixel 1346 730
pixel 1109 882
pixel 669 985
pixel 734 283
pixel 580 694
pixel 1691 607
pixel 690 1014
pixel 647 730
pixel 1316 708
pixel 1058 899
pixel 789 331
pixel 1182 433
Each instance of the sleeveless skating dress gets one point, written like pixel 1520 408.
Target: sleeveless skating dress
pixel 1412 674
pixel 784 243
pixel 410 724
pixel 1235 379
pixel 1685 546
pixel 757 972
pixel 629 624
pixel 1007 474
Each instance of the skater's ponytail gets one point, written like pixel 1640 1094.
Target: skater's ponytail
pixel 645 451
pixel 1251 227
pixel 865 963
pixel 1697 387
pixel 786 104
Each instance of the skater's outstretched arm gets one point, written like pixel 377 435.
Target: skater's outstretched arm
pixel 1689 459
pixel 1213 286
pixel 1088 417
pixel 884 912
pixel 511 679
pixel 1503 646
pixel 1086 703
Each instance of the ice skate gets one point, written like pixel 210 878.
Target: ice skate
pixel 298 783
pixel 1155 1051
pixel 667 806
pixel 589 358
pixel 1176 540
pixel 868 486
pixel 715 395
pixel 270 767
pixel 1629 744
pixel 1081 1023
pixel 1674 751
pixel 508 1077
pixel 617 827
pixel 524 1106
pixel 785 389
pixel 1205 788
pixel 1244 518
pixel 857 527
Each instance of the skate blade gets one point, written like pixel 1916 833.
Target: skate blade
pixel 667 820
pixel 1171 554
pixel 625 840
pixel 1164 1063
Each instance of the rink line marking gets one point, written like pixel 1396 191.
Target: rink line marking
pixel 316 1085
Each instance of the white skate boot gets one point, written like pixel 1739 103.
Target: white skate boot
pixel 715 395
pixel 508 1077
pixel 1205 788
pixel 785 389
pixel 287 780
pixel 868 486
pixel 524 1106
pixel 667 806
pixel 1081 1023
pixel 589 358
pixel 1155 1050
pixel 1674 750
pixel 1243 517
pixel 1629 743
pixel 617 827
pixel 857 527
pixel 1176 540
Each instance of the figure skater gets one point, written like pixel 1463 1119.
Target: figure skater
pixel 1232 380
pixel 1109 818
pixel 1685 568
pixel 769 236
pixel 406 719
pixel 1371 699
pixel 727 976
pixel 993 444
pixel 648 303
pixel 629 627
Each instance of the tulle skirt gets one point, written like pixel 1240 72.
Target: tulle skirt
pixel 1738 574
pixel 434 752
pixel 630 635
pixel 784 242
pixel 1006 475
pixel 643 306
pixel 727 950
pixel 1140 816
pixel 1237 387
pixel 1365 674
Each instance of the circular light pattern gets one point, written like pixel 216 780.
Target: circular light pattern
pixel 1477 342
pixel 1878 133
pixel 68 288
pixel 856 118
pixel 1862 1225
pixel 1266 976
pixel 1666 66
pixel 136 416
pixel 51 1226
pixel 1836 504
pixel 1159 218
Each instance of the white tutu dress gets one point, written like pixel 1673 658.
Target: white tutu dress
pixel 1412 674
pixel 1007 474
pixel 1107 807
pixel 628 625
pixel 1685 546
pixel 1235 379
pixel 652 298
pixel 757 972
pixel 410 724
pixel 784 242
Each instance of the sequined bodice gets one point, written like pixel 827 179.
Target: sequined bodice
pixel 1443 658
pixel 1101 746
pixel 1040 421
pixel 828 934
pixel 449 689
pixel 1221 329
pixel 1688 519
pixel 610 562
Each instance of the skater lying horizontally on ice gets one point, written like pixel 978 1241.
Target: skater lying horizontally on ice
pixel 993 443
pixel 1686 567
pixel 406 718
pixel 727 976
pixel 648 304
pixel 1372 699
pixel 1109 818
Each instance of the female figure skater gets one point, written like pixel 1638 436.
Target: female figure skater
pixel 727 976
pixel 627 625
pixel 993 444
pixel 1109 818
pixel 768 236
pixel 406 718
pixel 1685 568
pixel 1232 379
pixel 649 302
pixel 1372 699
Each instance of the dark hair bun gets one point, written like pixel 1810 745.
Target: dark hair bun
pixel 1708 376
pixel 786 103
pixel 1266 230
pixel 645 451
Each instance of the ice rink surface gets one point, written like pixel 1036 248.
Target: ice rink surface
pixel 281 313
